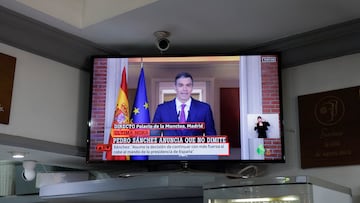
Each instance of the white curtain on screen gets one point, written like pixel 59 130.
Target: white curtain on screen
pixel 250 98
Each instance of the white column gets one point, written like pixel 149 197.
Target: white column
pixel 250 98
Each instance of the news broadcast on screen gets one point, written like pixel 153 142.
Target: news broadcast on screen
pixel 224 108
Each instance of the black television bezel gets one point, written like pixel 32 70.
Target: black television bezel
pixel 203 165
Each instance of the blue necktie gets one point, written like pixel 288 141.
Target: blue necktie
pixel 182 114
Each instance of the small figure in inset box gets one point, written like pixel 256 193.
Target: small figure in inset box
pixel 261 127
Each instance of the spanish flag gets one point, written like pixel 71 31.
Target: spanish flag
pixel 121 115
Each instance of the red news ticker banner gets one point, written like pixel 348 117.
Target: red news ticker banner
pixel 135 140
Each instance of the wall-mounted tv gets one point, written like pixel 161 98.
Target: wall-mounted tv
pixel 232 112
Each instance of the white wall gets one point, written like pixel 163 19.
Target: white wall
pixel 49 101
pixel 316 77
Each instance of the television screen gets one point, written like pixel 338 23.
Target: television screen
pixel 185 108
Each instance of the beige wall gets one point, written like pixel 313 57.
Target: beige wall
pixel 321 76
pixel 49 100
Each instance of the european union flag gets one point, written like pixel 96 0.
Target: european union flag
pixel 140 111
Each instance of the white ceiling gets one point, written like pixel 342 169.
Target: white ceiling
pixel 218 26
pixel 127 26
pixel 81 13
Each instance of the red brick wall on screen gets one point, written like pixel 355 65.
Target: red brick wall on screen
pixel 270 86
pixel 98 103
pixel 273 148
pixel 271 101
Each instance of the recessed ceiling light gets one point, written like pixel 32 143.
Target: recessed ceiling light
pixel 18 155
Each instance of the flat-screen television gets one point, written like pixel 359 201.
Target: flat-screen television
pixel 233 112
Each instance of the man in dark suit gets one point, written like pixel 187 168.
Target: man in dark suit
pixel 184 108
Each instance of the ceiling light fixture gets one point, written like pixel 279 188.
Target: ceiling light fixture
pixel 18 155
